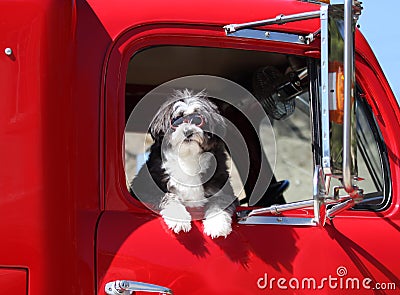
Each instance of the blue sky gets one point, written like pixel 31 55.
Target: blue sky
pixel 379 22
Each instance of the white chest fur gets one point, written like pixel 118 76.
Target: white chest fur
pixel 185 176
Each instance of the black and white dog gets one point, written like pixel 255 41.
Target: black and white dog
pixel 187 166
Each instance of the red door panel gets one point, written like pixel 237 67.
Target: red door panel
pixel 253 259
pixel 13 281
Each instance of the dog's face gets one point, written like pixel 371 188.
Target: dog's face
pixel 189 122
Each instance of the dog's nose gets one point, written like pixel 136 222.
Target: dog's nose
pixel 188 132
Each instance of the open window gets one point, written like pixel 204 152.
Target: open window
pixel 278 83
pixel 289 88
pixel 289 153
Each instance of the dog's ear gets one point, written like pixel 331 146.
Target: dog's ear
pixel 216 124
pixel 162 120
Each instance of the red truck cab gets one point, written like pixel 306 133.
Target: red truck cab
pixel 73 77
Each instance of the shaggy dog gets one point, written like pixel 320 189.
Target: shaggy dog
pixel 186 169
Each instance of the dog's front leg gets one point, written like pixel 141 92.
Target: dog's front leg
pixel 218 220
pixel 175 214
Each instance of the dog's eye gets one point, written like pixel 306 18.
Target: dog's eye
pixel 175 122
pixel 196 120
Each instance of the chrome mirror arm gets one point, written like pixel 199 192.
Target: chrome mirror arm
pixel 278 209
pixel 280 19
pixel 348 203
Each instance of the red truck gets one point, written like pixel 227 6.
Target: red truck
pixel 73 72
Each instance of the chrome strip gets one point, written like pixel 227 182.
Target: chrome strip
pixel 326 156
pixel 268 35
pixel 280 220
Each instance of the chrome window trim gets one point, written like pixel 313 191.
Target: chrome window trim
pixel 269 36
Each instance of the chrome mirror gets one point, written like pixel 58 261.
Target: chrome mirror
pixel 338 124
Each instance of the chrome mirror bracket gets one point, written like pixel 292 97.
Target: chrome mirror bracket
pixel 319 203
pixel 348 202
pixel 319 196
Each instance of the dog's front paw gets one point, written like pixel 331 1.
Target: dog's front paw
pixel 178 226
pixel 176 217
pixel 218 225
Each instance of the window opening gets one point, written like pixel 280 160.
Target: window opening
pixel 293 164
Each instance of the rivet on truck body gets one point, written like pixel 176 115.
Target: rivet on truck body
pixel 8 51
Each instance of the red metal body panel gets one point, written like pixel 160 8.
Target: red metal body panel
pixel 14 279
pixel 123 15
pixel 49 151
pixel 249 260
pixel 61 133
pixel 386 110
